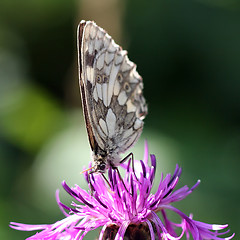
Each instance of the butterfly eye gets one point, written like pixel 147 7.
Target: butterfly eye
pixel 98 79
pixel 120 77
pixel 102 166
pixel 127 87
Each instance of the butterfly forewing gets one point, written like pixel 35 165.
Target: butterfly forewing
pixel 111 90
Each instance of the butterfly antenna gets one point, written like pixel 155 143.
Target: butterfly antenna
pixel 86 170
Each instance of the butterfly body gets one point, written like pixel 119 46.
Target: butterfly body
pixel 111 92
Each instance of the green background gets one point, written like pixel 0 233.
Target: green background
pixel 188 53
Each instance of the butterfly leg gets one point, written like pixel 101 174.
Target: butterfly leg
pixel 106 180
pixel 125 158
pixel 120 177
pixel 130 155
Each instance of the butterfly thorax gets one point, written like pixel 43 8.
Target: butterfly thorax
pixel 103 160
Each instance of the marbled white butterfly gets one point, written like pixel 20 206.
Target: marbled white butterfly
pixel 111 92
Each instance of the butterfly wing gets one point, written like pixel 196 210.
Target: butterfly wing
pixel 111 90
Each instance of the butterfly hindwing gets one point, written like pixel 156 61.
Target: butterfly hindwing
pixel 111 89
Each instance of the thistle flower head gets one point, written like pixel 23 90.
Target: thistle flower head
pixel 126 208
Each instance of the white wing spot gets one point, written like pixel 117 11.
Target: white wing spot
pixel 90 73
pixel 130 106
pixel 119 57
pixel 106 40
pixel 100 61
pixel 111 122
pixel 100 33
pixel 122 97
pixel 87 31
pixel 93 31
pixel 103 126
pixel 109 57
pixel 116 88
pixel 135 73
pixel 112 79
pixel 98 44
pixel 99 90
pixel 113 46
pixel 127 65
pixel 107 69
pixel 102 134
pixel 95 95
pixel 104 93
pixel 133 77
pixel 138 123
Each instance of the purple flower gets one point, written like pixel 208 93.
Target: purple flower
pixel 126 208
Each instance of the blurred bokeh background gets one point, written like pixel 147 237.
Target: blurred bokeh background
pixel 188 53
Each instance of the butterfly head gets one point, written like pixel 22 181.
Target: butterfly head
pixel 100 164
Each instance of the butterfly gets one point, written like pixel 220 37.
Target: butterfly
pixel 111 93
